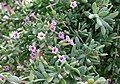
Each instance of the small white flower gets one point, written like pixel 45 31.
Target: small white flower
pixel 67 38
pixel 54 22
pixel 27 1
pixel 73 4
pixel 91 16
pixel 5 17
pixel 41 35
pixel 14 35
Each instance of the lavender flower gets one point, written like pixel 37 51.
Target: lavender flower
pixel 2 79
pixel 108 81
pixel 6 68
pixel 62 58
pixel 14 35
pixel 73 4
pixel 67 38
pixel 54 50
pixel 54 22
pixel 41 36
pixel 71 42
pixel 33 56
pixel 53 25
pixel 61 35
pixel 32 48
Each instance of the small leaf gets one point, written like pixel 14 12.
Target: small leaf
pixel 99 47
pixel 97 27
pixel 31 77
pixel 77 42
pixel 103 30
pixel 83 69
pixel 49 79
pixel 63 81
pixel 76 70
pixel 39 75
pixel 100 80
pixel 105 2
pixel 107 25
pixel 73 50
pixel 95 8
pixel 113 15
pixel 99 21
pixel 13 79
pixel 103 13
pixel 41 67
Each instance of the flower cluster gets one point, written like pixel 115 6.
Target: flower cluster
pixel 6 68
pixel 53 25
pixel 33 52
pixel 62 36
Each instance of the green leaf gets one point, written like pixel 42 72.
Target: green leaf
pixel 99 21
pixel 31 77
pixel 41 67
pixel 105 24
pixel 97 26
pixel 53 74
pixel 38 80
pixel 95 8
pixel 63 81
pixel 39 75
pixel 76 70
pixel 77 42
pixel 113 15
pixel 105 2
pixel 99 47
pixel 83 69
pixel 13 79
pixel 49 79
pixel 73 50
pixel 103 13
pixel 103 30
pixel 100 80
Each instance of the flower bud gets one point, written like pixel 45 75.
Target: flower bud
pixel 91 16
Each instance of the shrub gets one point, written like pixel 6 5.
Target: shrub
pixel 59 42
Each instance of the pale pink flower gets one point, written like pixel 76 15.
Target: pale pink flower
pixel 73 4
pixel 71 42
pixel 2 78
pixel 54 50
pixel 32 48
pixel 6 68
pixel 53 25
pixel 62 58
pixel 54 22
pixel 14 35
pixel 67 38
pixel 61 35
pixel 33 56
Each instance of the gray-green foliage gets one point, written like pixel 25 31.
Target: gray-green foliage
pixel 94 26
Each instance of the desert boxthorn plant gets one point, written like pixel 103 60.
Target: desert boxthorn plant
pixel 59 41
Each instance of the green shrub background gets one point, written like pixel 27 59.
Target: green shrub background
pixel 94 26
